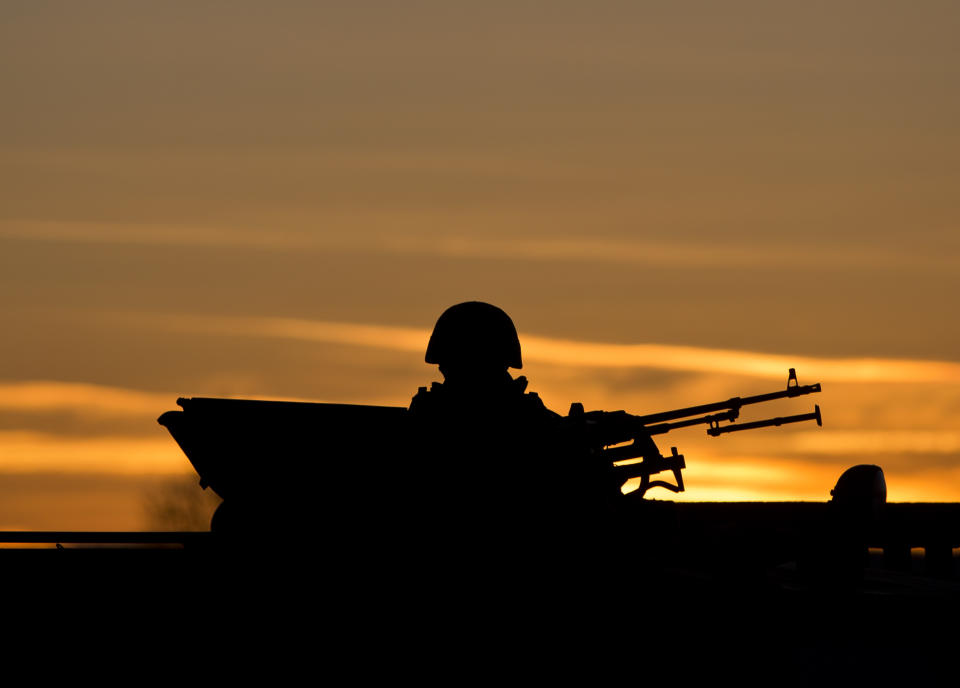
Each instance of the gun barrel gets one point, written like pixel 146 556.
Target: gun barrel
pixel 714 431
pixel 793 390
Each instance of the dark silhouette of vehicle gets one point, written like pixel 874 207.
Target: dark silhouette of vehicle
pixel 479 461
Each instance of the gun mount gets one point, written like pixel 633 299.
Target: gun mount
pixel 606 432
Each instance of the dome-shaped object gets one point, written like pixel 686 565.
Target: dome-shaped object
pixel 476 333
pixel 863 483
pixel 861 487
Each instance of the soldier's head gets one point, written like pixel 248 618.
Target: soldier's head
pixel 474 341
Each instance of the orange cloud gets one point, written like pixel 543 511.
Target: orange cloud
pixel 874 442
pixel 82 397
pixel 23 451
pixel 584 354
pixel 468 244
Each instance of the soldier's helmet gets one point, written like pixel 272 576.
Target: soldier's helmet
pixel 474 333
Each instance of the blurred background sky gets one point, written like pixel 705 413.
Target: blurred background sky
pixel 675 201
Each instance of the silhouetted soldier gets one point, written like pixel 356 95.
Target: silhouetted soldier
pixel 500 468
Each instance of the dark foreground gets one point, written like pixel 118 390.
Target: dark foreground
pixel 718 601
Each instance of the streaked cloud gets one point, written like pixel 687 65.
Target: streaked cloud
pixel 751 363
pixel 712 477
pixel 93 400
pixel 88 399
pixel 359 232
pixel 873 442
pixel 154 234
pixel 389 337
pixel 687 254
pixel 22 451
pixel 587 354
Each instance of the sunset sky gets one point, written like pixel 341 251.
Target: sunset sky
pixel 675 201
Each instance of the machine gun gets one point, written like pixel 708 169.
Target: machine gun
pixel 606 432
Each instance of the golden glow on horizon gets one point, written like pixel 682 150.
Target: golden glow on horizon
pixel 712 473
pixel 710 476
pixel 927 485
pixel 779 475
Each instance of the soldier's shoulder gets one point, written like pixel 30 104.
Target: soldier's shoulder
pixel 425 398
pixel 531 401
pixel 535 404
pixel 434 399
